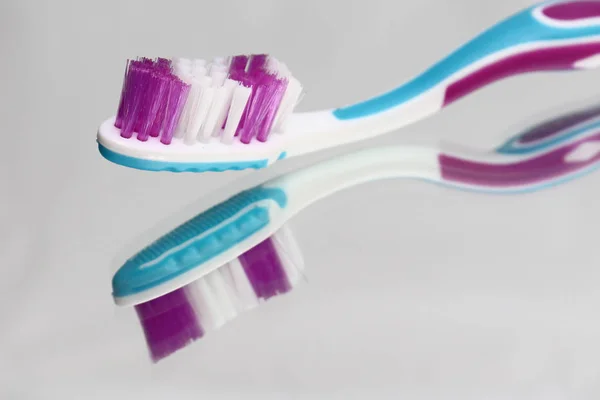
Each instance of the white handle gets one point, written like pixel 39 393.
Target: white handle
pixel 311 184
pixel 551 36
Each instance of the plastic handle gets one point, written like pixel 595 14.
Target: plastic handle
pixel 560 164
pixel 552 152
pixel 308 185
pixel 557 35
pixel 552 132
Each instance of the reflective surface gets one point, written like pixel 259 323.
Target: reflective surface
pixel 436 294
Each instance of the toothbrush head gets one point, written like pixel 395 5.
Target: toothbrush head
pixel 205 272
pixel 176 319
pixel 192 115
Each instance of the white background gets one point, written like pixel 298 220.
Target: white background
pixel 413 292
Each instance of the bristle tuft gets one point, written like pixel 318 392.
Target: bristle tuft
pixel 169 323
pixel 175 320
pixel 244 97
pixel 151 99
pixel 265 270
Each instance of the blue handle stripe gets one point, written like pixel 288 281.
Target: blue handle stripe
pixel 519 29
pixel 150 165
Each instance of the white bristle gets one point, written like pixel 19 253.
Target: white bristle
pixel 272 65
pixel 216 109
pixel 181 60
pixel 289 101
pixel 190 104
pixel 179 70
pixel 206 304
pixel 200 110
pixel 227 276
pixel 220 61
pixel 245 293
pixel 289 254
pixel 278 68
pixel 187 127
pixel 223 295
pixel 183 73
pixel 205 106
pixel 210 105
pixel 218 77
pixel 220 296
pixel 229 86
pixel 241 94
pixel 199 71
pixel 218 68
pixel 190 112
pixel 286 237
pixel 182 70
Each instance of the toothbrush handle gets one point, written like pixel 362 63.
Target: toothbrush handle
pixel 311 184
pixel 269 205
pixel 575 150
pixel 567 161
pixel 552 132
pixel 557 35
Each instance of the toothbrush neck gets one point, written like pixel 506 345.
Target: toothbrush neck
pixel 321 180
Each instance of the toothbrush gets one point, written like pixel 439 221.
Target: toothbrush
pixel 233 256
pixel 182 115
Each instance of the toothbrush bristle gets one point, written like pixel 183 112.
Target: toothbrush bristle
pixel 151 100
pixel 265 270
pixel 175 320
pixel 243 98
pixel 169 323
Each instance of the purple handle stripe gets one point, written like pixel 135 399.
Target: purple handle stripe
pixel 544 168
pixel 573 10
pixel 560 58
pixel 557 126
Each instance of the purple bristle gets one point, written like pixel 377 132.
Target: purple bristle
pixel 247 81
pixel 267 93
pixel 265 99
pixel 135 91
pixel 254 78
pixel 150 99
pixel 169 323
pixel 265 270
pixel 257 63
pixel 178 92
pixel 244 130
pixel 153 97
pixel 157 93
pixel 124 98
pixel 177 319
pixel 149 83
pixel 237 67
pixel 157 115
pixel 163 65
pixel 271 95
